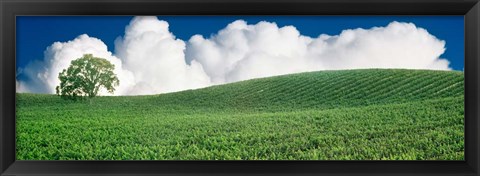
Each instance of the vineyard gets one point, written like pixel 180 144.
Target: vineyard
pixel 371 114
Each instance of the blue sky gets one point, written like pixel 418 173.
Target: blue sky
pixel 36 33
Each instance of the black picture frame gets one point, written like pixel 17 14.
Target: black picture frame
pixel 9 9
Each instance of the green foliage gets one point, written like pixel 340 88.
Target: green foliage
pixel 85 77
pixel 328 115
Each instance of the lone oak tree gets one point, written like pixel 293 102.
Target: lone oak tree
pixel 85 77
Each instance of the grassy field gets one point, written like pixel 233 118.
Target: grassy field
pixel 371 114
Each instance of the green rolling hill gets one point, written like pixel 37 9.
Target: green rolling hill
pixel 371 114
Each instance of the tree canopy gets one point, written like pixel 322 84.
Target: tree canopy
pixel 85 77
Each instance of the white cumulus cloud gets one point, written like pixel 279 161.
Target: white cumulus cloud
pixel 43 75
pixel 157 59
pixel 149 59
pixel 241 51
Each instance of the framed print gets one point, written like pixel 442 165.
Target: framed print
pixel 239 87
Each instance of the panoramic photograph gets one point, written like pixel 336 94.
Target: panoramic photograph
pixel 240 88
